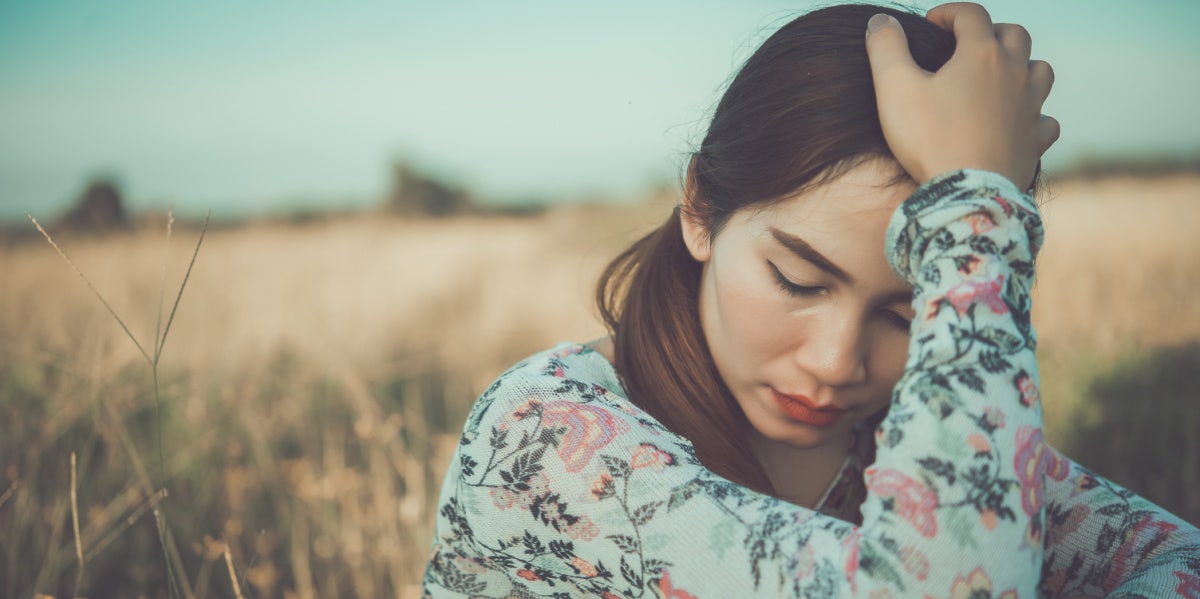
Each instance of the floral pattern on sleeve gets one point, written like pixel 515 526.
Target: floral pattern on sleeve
pixel 1104 540
pixel 561 487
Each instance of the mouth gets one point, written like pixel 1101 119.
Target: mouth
pixel 802 409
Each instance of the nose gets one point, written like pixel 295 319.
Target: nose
pixel 834 354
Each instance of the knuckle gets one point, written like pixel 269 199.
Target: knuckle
pixel 1052 127
pixel 1041 68
pixel 976 8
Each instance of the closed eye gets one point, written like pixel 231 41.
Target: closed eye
pixel 898 320
pixel 794 289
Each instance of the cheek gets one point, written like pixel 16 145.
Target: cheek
pixel 746 318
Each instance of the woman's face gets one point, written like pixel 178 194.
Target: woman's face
pixel 806 322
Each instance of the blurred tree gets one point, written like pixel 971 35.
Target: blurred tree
pixel 416 192
pixel 1147 434
pixel 99 209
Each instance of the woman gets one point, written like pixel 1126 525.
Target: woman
pixel 783 408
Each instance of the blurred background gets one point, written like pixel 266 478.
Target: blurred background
pixel 408 197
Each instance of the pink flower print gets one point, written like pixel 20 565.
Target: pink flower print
pixel 502 498
pixel 469 566
pixel 850 545
pixel 668 591
pixel 967 293
pixel 915 562
pixel 975 584
pixel 1008 211
pixel 911 500
pixel 527 408
pixel 979 443
pixel 1030 448
pixel 1034 461
pixel 603 487
pixel 988 518
pixel 648 456
pixel 582 529
pixel 1079 514
pixel 994 416
pixel 1032 541
pixel 981 222
pixel 1084 482
pixel 528 575
pixel 1028 388
pixel 589 428
pixel 1139 540
pixel 569 350
pixel 806 564
pixel 584 567
pixel 539 486
pixel 1057 467
pixel 932 307
pixel 1189 585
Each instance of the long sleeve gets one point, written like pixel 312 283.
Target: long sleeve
pixel 562 487
pixel 1104 540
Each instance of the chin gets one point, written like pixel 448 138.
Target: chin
pixel 797 435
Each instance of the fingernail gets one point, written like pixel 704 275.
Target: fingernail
pixel 880 21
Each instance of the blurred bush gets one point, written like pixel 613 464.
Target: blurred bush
pixel 417 192
pixel 1141 428
pixel 99 209
pixel 1145 166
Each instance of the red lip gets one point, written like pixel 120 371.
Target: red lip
pixel 802 409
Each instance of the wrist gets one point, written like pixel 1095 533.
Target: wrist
pixel 949 197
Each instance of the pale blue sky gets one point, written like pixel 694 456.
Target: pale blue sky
pixel 252 107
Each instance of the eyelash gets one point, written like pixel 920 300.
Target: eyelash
pixel 897 320
pixel 794 290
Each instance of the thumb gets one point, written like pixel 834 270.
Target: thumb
pixel 887 47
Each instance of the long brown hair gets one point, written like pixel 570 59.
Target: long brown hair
pixel 800 112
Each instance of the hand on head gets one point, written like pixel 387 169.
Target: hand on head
pixel 981 110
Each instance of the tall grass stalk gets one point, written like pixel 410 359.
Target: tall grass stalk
pixel 176 578
pixel 9 492
pixel 237 588
pixel 75 524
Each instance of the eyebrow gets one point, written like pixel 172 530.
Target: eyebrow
pixel 807 252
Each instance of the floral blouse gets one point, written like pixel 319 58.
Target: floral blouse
pixel 562 487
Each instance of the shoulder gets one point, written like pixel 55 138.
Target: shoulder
pixel 568 379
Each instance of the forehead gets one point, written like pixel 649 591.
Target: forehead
pixel 858 203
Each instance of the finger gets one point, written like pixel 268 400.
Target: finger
pixel 1048 131
pixel 1041 79
pixel 970 22
pixel 1015 39
pixel 887 48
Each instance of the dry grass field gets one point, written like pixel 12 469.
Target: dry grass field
pixel 316 375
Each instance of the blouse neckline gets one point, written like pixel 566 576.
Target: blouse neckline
pixel 841 497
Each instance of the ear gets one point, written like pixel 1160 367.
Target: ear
pixel 695 232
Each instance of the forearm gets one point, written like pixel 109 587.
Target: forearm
pixel 1104 540
pixel 960 455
